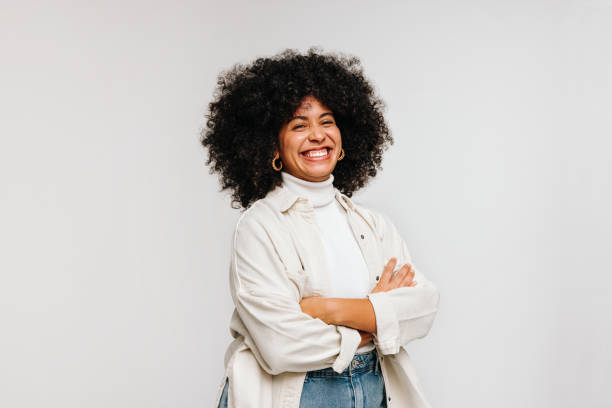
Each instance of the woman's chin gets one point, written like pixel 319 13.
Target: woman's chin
pixel 318 175
pixel 321 177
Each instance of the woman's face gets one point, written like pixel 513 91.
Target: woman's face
pixel 310 142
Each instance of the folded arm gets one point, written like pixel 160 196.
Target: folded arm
pixel 281 336
pixel 395 316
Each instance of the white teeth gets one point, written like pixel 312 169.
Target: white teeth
pixel 317 153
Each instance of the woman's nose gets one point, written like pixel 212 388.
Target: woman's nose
pixel 317 134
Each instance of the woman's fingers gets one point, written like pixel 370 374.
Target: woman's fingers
pixel 388 271
pixel 396 282
pixel 366 337
pixel 406 277
pixel 403 276
pixel 389 281
pixel 385 277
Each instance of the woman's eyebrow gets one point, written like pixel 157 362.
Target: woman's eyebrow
pixel 305 118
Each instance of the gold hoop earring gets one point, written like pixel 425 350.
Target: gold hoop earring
pixel 274 166
pixel 341 155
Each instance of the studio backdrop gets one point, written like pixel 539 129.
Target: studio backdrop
pixel 115 238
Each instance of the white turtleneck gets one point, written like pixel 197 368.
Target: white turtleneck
pixel 349 273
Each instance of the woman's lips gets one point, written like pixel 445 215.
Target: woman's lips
pixel 316 154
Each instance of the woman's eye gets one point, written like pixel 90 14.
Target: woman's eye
pixel 298 126
pixel 328 122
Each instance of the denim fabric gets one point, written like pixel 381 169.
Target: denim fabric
pixel 223 400
pixel 361 385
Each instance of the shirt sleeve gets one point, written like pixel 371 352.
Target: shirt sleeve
pixel 281 336
pixel 406 313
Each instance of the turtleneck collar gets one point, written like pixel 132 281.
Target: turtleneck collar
pixel 320 193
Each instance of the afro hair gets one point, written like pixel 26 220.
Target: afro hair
pixel 252 102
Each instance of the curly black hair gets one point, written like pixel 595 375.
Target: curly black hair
pixel 252 102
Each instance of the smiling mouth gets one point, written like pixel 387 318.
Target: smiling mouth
pixel 317 154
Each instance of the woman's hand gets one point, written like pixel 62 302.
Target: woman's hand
pixel 366 337
pixel 403 277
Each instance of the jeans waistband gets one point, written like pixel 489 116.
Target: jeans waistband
pixel 360 363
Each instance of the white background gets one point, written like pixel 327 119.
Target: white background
pixel 115 239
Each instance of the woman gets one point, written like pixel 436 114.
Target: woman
pixel 321 309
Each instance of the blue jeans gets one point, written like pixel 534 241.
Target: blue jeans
pixel 361 385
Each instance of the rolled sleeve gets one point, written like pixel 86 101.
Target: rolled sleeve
pixel 348 346
pixel 387 324
pixel 402 315
pixel 407 313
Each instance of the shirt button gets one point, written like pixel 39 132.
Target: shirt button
pixel 389 398
pixel 362 236
pixel 377 277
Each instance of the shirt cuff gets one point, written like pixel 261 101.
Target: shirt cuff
pixel 387 325
pixel 350 339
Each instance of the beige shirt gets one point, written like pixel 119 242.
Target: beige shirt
pixel 276 261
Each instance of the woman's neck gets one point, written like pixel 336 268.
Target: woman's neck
pixel 320 193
